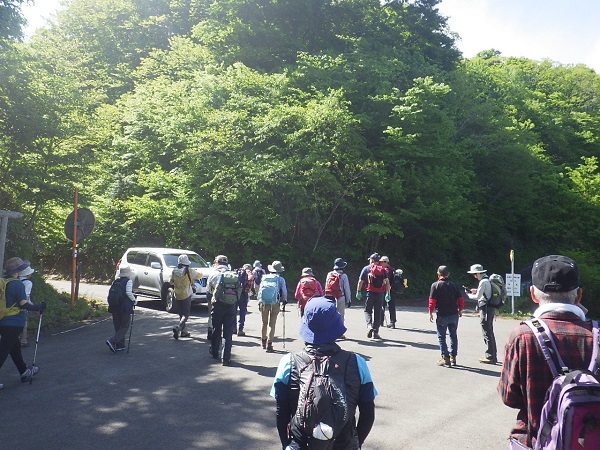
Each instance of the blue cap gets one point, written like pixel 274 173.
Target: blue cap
pixel 374 257
pixel 321 323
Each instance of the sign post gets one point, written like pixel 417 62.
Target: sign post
pixel 4 216
pixel 512 272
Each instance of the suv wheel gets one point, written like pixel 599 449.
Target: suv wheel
pixel 169 299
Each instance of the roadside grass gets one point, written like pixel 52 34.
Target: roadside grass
pixel 60 314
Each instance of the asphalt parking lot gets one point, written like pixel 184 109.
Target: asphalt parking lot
pixel 169 394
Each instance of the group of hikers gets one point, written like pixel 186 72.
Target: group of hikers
pixel 319 391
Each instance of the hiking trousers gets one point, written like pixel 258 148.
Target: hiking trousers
pixel 486 318
pixel 269 319
pixel 223 322
pixel 184 307
pixel 11 345
pixel 121 322
pixel 242 304
pixel 373 310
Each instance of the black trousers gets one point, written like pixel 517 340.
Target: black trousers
pixel 10 344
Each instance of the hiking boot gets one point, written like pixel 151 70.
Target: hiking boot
pixel 264 343
pixel 185 334
pixel 111 345
pixel 176 333
pixel 486 360
pixel 241 333
pixel 376 335
pixel 270 347
pixel 444 361
pixel 26 376
pixel 370 333
pixel 452 360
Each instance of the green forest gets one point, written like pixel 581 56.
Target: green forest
pixel 296 130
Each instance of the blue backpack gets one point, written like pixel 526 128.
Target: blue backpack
pixel 268 293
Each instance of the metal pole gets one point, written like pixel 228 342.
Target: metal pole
pixel 74 261
pixel 512 271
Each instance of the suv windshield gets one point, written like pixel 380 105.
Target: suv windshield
pixel 195 260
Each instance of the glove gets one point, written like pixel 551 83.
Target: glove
pixel 31 307
pixel 360 295
pixel 388 297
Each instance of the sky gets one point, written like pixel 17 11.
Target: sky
pixel 560 30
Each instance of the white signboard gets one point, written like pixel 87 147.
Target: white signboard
pixel 513 285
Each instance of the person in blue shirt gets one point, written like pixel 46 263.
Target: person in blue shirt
pixel 272 297
pixel 321 326
pixel 11 325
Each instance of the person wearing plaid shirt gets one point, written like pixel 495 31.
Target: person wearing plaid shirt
pixel 525 373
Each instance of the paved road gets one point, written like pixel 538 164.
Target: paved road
pixel 169 394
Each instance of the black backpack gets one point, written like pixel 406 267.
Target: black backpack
pixel 322 412
pixel 116 295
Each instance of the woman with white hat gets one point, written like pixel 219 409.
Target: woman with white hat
pixel 25 277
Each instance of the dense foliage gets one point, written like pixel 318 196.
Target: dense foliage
pixel 299 130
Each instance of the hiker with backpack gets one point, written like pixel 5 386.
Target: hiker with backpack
pixel 272 296
pixel 559 334
pixel 446 299
pixel 257 274
pixel 481 295
pixel 391 303
pixel 182 279
pixel 247 283
pixel 121 302
pixel 319 390
pixel 223 290
pixel 13 304
pixel 374 279
pixel 308 287
pixel 337 286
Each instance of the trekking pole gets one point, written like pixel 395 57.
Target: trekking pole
pixel 37 340
pixel 283 312
pixel 130 328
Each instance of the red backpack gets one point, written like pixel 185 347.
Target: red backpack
pixel 375 278
pixel 308 288
pixel 332 284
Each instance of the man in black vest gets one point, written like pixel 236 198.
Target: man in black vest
pixel 321 326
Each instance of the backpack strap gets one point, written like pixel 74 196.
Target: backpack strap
pixel 595 362
pixel 548 346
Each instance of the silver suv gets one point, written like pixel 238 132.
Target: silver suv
pixel 152 270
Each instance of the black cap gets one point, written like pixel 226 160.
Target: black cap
pixel 374 257
pixel 555 273
pixel 443 271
